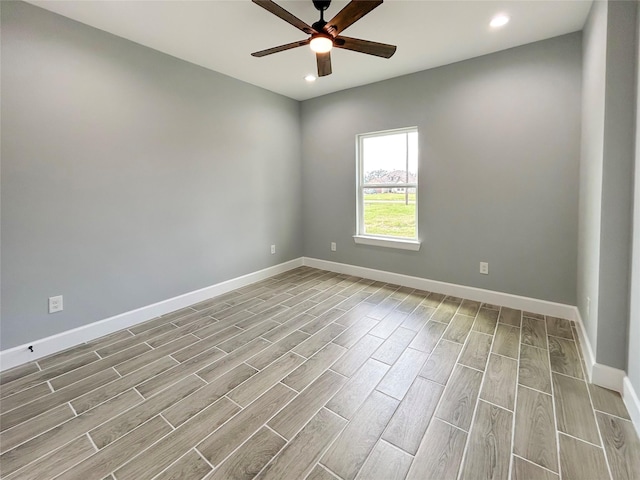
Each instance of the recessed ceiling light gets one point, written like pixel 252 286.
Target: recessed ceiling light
pixel 310 78
pixel 499 21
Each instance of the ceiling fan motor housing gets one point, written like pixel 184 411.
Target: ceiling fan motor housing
pixel 321 5
pixel 319 25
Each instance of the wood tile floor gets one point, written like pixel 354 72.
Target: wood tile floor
pixel 315 375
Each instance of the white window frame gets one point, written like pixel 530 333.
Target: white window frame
pixel 382 240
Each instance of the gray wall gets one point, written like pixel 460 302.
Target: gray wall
pixel 130 177
pixel 500 147
pixel 633 358
pixel 617 185
pixel 594 69
pixel 607 171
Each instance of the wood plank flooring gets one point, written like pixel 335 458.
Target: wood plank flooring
pixel 311 374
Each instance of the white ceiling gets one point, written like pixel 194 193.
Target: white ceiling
pixel 220 35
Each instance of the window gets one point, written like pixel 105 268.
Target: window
pixel 388 188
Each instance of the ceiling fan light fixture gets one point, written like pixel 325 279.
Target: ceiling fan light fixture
pixel 321 43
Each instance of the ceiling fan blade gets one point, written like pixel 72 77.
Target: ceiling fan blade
pixel 278 11
pixel 365 46
pixel 324 64
pixel 281 48
pixel 354 11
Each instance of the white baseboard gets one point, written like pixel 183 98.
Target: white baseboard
pixel 542 307
pixel 597 373
pixel 13 357
pixel 608 377
pixel 632 402
pixel 585 346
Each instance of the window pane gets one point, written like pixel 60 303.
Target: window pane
pixel 384 159
pixel 390 212
pixel 387 162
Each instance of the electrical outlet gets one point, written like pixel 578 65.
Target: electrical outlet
pixel 273 249
pixel 333 246
pixel 484 268
pixel 55 304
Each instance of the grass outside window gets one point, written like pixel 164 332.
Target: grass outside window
pixel 388 214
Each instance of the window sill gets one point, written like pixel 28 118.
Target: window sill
pixel 388 242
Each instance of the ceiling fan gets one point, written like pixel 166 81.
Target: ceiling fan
pixel 325 35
